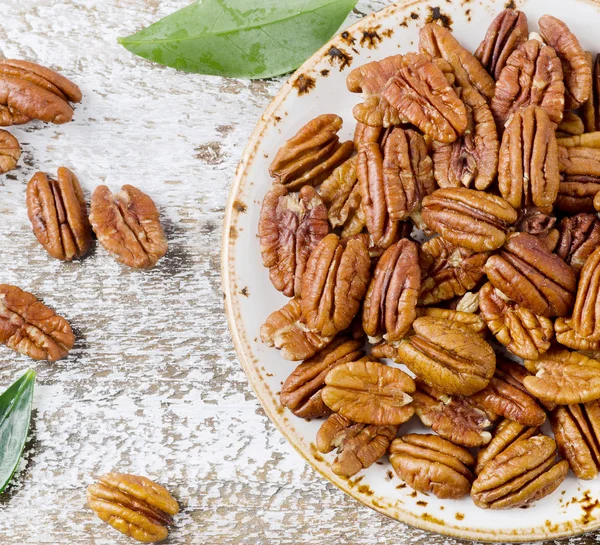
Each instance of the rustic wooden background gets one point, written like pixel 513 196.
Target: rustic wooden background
pixel 153 386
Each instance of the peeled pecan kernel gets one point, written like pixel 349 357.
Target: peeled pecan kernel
pixel 359 446
pixel 455 319
pixel 579 237
pixel 568 337
pixel 507 31
pixel 448 358
pixel 58 214
pixel 524 333
pixel 389 308
pixel 587 140
pixel 468 303
pixel 437 41
pixel 448 270
pixel 536 222
pixel 31 328
pixel 370 78
pixel 472 160
pixel 586 312
pixel 290 227
pixel 533 75
pixel 529 274
pixel 577 431
pixel 10 151
pixel 432 465
pixel 597 202
pixel 564 377
pixel 528 164
pixel 136 506
pixel 522 474
pixel 284 331
pixel 301 392
pixel 310 156
pixel 506 433
pixel 335 281
pixel 579 161
pixel 591 108
pixel 369 392
pixel 571 124
pixel 576 194
pixel 128 225
pixel 576 70
pixel 469 218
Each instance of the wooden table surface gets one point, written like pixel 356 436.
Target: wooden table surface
pixel 153 386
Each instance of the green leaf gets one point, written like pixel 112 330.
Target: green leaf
pixel 240 38
pixel 15 415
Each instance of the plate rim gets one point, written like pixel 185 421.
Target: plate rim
pixel 229 290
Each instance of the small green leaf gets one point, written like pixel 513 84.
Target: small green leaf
pixel 240 38
pixel 15 415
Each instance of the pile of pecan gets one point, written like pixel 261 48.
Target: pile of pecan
pixel 492 160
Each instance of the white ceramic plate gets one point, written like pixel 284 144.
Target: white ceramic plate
pixel 319 87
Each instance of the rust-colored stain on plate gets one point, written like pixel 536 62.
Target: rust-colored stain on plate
pixel 436 14
pixel 340 57
pixel 304 84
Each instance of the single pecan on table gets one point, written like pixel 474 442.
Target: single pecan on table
pixel 579 237
pixel 135 506
pixel 358 445
pixel 301 392
pixel 389 308
pixel 507 31
pixel 10 151
pixel 527 272
pixel 590 110
pixel 310 156
pixel 528 165
pixel 369 392
pixel 447 358
pixel 469 218
pixel 430 464
pixel 127 225
pixel 58 214
pixel 30 91
pixel 524 333
pixel 585 320
pixel 521 474
pixel 31 328
pixel 290 227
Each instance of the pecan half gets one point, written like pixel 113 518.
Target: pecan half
pixel 523 473
pixel 31 328
pixel 370 78
pixel 364 134
pixel 10 151
pixel 469 218
pixel 335 281
pixel 571 124
pixel 536 222
pixel 456 319
pixel 528 164
pixel 310 156
pixel 447 358
pixel 389 307
pixel 591 108
pixel 369 392
pixel 586 312
pixel 579 237
pixel 290 227
pixel 447 270
pixel 284 331
pixel 576 194
pixel 567 336
pixel 432 465
pixel 524 333
pixel 577 433
pixel 58 214
pixel 301 392
pixel 529 274
pixel 128 225
pixel 358 446
pixel 576 70
pixel 564 377
pixel 532 75
pixel 507 32
pixel 579 161
pixel 136 506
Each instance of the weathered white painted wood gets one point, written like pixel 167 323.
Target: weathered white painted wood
pixel 153 386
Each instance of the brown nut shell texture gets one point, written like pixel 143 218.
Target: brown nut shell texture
pixel 290 227
pixel 469 218
pixel 524 473
pixel 135 506
pixel 449 359
pixel 58 214
pixel 310 156
pixel 358 445
pixel 528 166
pixel 31 328
pixel 369 392
pixel 127 225
pixel 432 465
pixel 10 151
pixel 528 273
pixel 389 307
